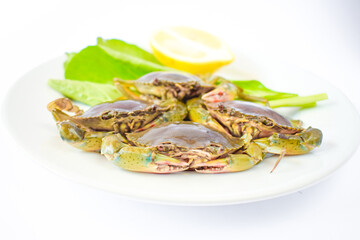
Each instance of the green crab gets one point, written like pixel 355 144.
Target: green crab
pixel 85 130
pixel 157 86
pixel 256 125
pixel 164 85
pixel 179 146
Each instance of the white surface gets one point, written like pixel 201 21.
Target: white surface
pixel 293 174
pixel 321 37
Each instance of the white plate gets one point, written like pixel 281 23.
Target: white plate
pixel 29 96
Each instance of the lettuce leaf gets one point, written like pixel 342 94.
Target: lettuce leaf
pixel 86 92
pixel 120 49
pixel 95 65
pixel 256 88
pixel 110 59
pixel 69 57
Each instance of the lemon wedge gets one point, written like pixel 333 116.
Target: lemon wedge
pixel 190 50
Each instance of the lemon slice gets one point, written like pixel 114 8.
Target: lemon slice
pixel 190 49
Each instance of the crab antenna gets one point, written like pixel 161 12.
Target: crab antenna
pixel 282 154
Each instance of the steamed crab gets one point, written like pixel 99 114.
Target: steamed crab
pixel 189 145
pixel 85 130
pixel 158 86
pixel 256 126
pixel 164 85
pixel 178 146
pixel 240 117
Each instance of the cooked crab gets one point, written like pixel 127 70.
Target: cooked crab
pixel 85 130
pixel 164 85
pixel 178 146
pixel 240 117
pixel 254 123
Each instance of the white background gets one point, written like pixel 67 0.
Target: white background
pixel 322 37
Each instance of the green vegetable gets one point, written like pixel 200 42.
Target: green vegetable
pixel 69 57
pixel 120 49
pixel 279 99
pixel 85 92
pixel 95 67
pixel 110 59
pixel 306 101
pixel 256 88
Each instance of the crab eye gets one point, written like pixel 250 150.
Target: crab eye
pixel 267 122
pixel 215 149
pixel 156 82
pixel 221 107
pixel 165 147
pixel 232 112
pixel 107 115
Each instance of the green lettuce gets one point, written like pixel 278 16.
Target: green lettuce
pixel 69 57
pixel 257 89
pixel 110 59
pixel 86 92
pixel 95 67
pixel 120 49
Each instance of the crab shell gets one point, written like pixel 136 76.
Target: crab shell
pixel 169 85
pixel 237 115
pixel 189 142
pixel 85 130
pixel 126 115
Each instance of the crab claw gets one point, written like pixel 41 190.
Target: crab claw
pixel 70 132
pixel 312 138
pixel 232 163
pixel 63 104
pixel 140 159
pixel 219 95
pixel 228 91
pixel 198 114
pixel 79 138
pixel 300 143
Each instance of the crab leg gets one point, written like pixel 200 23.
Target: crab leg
pixel 59 105
pixel 79 138
pixel 282 154
pixel 178 111
pixel 124 87
pixel 300 143
pixel 139 159
pixel 198 114
pixel 296 144
pixel 234 162
pixel 71 131
pixel 296 123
